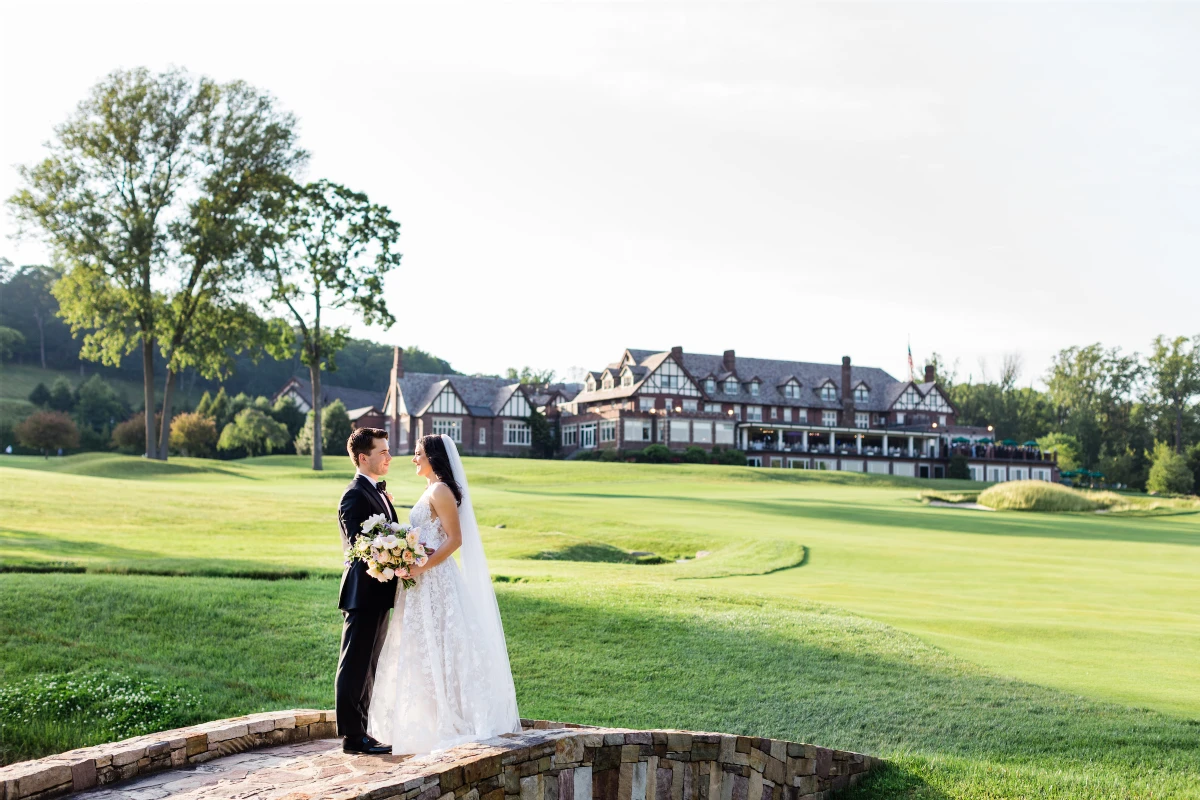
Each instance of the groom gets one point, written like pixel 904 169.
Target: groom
pixel 364 601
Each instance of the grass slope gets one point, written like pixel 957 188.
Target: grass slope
pixel 713 661
pixel 1051 631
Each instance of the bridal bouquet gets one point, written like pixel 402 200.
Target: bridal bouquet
pixel 389 550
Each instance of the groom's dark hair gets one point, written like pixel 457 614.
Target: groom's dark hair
pixel 362 441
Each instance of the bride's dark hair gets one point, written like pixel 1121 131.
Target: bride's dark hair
pixel 435 453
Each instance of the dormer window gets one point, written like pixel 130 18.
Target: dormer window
pixel 710 385
pixel 627 379
pixel 861 394
pixel 828 392
pixel 731 386
pixel 607 383
pixel 591 383
pixel 792 390
pixel 754 388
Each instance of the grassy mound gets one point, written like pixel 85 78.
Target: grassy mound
pixel 1037 496
pixel 961 496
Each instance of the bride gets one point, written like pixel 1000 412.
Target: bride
pixel 443 676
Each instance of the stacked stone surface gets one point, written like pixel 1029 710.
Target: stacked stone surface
pixel 547 761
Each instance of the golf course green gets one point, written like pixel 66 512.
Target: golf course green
pixel 1001 654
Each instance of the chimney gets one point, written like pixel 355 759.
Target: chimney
pixel 929 376
pixel 677 354
pixel 847 394
pixel 394 397
pixel 729 361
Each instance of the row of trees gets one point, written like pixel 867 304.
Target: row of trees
pixel 1103 410
pixel 174 212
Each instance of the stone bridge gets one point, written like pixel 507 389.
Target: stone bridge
pixel 294 755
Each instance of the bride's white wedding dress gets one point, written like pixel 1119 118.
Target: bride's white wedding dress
pixel 443 676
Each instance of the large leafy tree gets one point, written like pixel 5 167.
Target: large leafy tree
pixel 1173 370
pixel 1093 390
pixel 324 247
pixel 145 198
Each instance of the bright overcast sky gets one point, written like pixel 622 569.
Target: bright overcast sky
pixel 791 181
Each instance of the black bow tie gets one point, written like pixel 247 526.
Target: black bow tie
pixel 381 486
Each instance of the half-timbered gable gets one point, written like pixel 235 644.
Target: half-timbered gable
pixel 670 378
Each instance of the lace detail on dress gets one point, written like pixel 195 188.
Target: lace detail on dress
pixel 432 689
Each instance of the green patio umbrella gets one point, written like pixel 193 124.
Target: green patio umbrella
pixel 1030 443
pixel 985 440
pixel 1009 443
pixel 960 440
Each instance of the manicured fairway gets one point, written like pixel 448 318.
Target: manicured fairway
pixel 1035 637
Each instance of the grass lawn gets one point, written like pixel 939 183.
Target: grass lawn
pixel 987 654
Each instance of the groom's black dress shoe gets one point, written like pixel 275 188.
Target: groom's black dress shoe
pixel 365 745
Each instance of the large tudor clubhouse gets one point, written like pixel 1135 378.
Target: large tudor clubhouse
pixel 788 414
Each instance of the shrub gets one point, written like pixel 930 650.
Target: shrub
pixel 611 454
pixel 40 396
pixel 655 454
pixel 1036 496
pixel 1193 457
pixel 193 434
pixel 10 340
pixel 1065 445
pixel 130 435
pixel 957 469
pixel 48 430
pixel 286 411
pixel 254 432
pixel 97 405
pixel 695 455
pixel 731 457
pixel 335 430
pixel 1170 473
pixel 62 397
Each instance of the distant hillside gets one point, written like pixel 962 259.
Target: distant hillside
pixel 27 305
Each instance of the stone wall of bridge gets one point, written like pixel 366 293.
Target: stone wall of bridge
pixel 546 761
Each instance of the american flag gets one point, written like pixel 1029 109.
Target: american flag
pixel 912 375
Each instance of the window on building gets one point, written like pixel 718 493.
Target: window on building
pixel 731 386
pixel 645 403
pixel 829 418
pixel 754 413
pixel 483 435
pixel 517 433
pixel 754 388
pixel 668 381
pixel 702 432
pixel 608 430
pixel 862 420
pixel 792 390
pixel 710 386
pixel 828 392
pixel 861 394
pixel 681 430
pixel 627 379
pixel 942 420
pixel 724 433
pixel 587 435
pixel 607 383
pixel 774 413
pixel 900 418
pixel 637 430
pixel 590 383
pixel 448 427
pixel 801 415
pixel 712 408
pixel 691 405
pixel 570 434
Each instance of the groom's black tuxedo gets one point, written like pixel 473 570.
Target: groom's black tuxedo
pixel 360 591
pixel 365 603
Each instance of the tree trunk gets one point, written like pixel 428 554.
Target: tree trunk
pixel 1179 427
pixel 314 373
pixel 37 315
pixel 164 438
pixel 148 395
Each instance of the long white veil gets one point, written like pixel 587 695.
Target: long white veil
pixel 482 599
